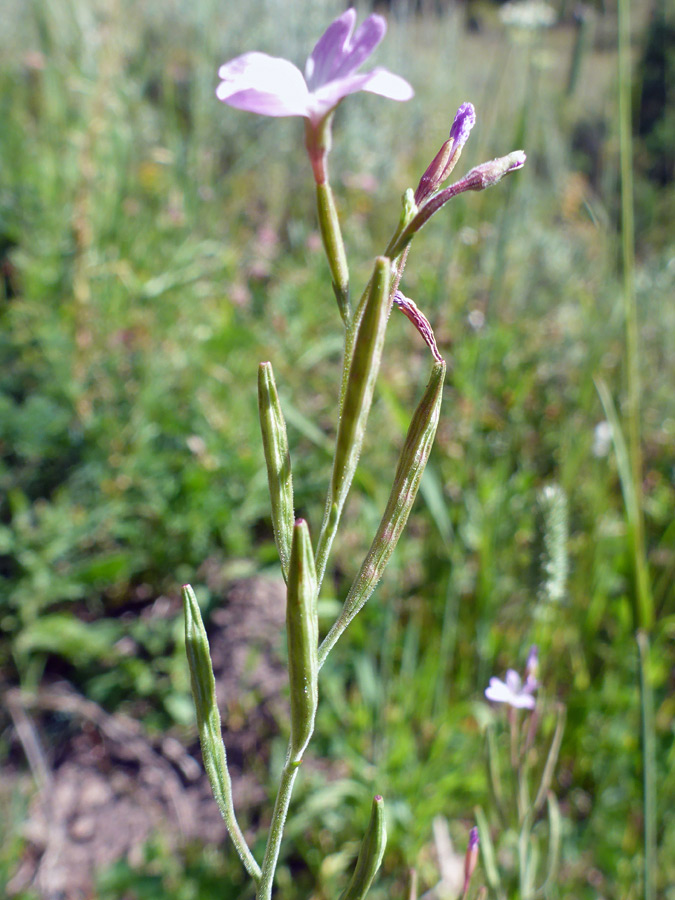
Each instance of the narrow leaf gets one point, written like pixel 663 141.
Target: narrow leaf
pixel 278 461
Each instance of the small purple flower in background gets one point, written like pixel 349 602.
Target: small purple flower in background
pixel 512 691
pixel 271 86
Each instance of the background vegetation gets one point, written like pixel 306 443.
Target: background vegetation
pixel 155 246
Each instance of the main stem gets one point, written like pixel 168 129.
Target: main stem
pixel 644 603
pixel 644 610
pixel 269 863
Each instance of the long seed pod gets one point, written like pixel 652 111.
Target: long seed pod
pixel 303 636
pixel 278 461
pixel 208 721
pixel 358 396
pixel 409 471
pixel 370 854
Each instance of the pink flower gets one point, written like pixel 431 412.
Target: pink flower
pixel 271 86
pixel 512 691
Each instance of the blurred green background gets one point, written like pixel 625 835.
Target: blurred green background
pixel 156 245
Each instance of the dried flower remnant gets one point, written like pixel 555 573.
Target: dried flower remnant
pixel 410 309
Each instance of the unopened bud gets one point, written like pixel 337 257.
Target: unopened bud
pixel 446 158
pixel 489 173
pixel 532 667
pixel 483 176
pixel 470 859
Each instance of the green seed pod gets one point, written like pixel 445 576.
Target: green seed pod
pixel 208 721
pixel 358 395
pixel 370 855
pixel 363 371
pixel 302 627
pixel 277 458
pixel 411 464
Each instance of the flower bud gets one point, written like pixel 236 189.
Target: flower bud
pixel 470 859
pixel 483 176
pixel 532 668
pixel 492 172
pixel 446 158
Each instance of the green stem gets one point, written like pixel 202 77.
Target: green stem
pixel 334 247
pixel 648 765
pixel 644 605
pixel 269 863
pixel 644 602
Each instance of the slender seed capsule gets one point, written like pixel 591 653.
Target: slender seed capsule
pixel 371 324
pixel 411 464
pixel 277 458
pixel 361 381
pixel 208 721
pixel 302 627
pixel 370 855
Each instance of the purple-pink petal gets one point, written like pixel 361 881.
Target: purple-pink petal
pixel 367 37
pixel 464 121
pixel 338 54
pixel 379 81
pixel 264 84
pixel 509 692
pixel 329 50
pixel 275 87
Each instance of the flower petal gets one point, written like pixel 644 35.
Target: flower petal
pixel 464 121
pixel 504 692
pixel 379 81
pixel 367 37
pixel 264 84
pixel 498 692
pixel 513 680
pixel 329 50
